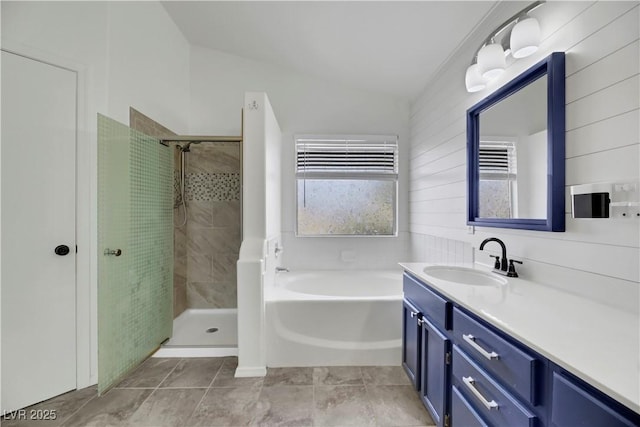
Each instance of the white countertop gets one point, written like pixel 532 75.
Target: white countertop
pixel 595 341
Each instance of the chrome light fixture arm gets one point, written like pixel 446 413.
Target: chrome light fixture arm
pixel 488 62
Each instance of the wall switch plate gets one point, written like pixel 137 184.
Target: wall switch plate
pixel 625 200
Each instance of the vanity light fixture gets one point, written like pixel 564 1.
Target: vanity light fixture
pixel 525 37
pixel 520 41
pixel 491 61
pixel 473 79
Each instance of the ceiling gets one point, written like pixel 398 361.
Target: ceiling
pixel 392 47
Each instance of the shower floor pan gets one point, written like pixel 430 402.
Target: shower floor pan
pixel 203 333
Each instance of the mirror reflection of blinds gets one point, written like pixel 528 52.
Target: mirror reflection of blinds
pixel 358 157
pixel 497 160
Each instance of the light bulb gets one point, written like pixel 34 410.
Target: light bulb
pixel 491 62
pixel 473 79
pixel 525 38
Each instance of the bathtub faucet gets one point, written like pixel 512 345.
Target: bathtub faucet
pixel 282 269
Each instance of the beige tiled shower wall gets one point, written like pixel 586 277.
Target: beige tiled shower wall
pixel 146 125
pixel 206 248
pixel 212 232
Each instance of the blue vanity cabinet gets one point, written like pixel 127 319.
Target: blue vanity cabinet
pixel 436 362
pixel 470 373
pixel 454 385
pixel 411 342
pixel 432 313
pixel 575 405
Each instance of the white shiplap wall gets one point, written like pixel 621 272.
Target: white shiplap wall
pixel 600 257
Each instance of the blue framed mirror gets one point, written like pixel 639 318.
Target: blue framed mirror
pixel 516 152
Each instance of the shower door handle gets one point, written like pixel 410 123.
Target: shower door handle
pixel 115 252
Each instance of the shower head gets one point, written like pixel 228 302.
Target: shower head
pixel 186 149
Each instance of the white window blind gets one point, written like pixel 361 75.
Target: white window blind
pixel 497 160
pixel 368 156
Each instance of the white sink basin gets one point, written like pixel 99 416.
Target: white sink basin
pixel 465 276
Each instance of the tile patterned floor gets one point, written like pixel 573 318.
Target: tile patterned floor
pixel 203 392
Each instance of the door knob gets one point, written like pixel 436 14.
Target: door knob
pixel 115 252
pixel 61 250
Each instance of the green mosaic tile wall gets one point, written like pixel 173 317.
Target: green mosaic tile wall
pixel 135 214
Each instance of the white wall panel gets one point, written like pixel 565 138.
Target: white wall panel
pixel 614 165
pixel 442 164
pixel 450 189
pixel 603 135
pixel 454 174
pixel 611 69
pixel 602 232
pixel 148 65
pixel 428 131
pixel 619 32
pixel 604 259
pixel 597 136
pixel 444 205
pixel 605 103
pixel 459 141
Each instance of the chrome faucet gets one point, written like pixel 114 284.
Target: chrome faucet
pixel 503 265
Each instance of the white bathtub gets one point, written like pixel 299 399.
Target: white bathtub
pixel 334 318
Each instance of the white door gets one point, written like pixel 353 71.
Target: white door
pixel 38 215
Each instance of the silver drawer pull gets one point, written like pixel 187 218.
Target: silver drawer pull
pixel 472 342
pixel 470 383
pixel 414 314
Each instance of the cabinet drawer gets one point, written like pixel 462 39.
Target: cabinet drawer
pixel 430 304
pixel 462 413
pixel 573 406
pixel 490 400
pixel 510 365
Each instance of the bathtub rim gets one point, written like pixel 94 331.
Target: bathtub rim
pixel 275 293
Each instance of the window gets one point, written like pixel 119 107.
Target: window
pixel 346 185
pixel 498 179
pixel 498 159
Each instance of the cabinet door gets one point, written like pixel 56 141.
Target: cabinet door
pixel 411 342
pixel 435 378
pixel 574 406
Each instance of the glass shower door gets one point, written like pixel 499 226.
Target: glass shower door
pixel 135 244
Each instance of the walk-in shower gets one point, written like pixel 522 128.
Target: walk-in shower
pixel 207 237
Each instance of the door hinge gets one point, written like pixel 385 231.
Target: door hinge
pixel 447 358
pixel 447 420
